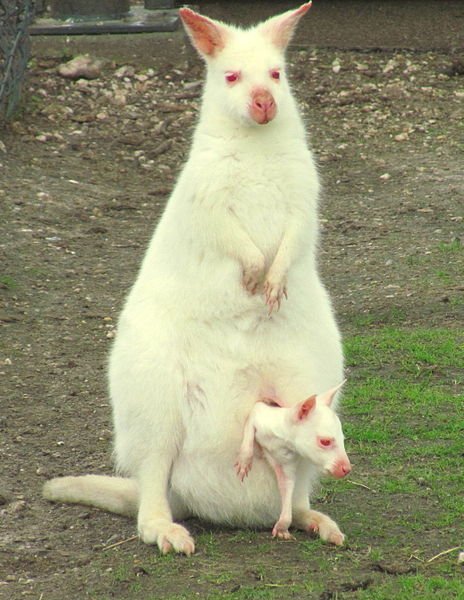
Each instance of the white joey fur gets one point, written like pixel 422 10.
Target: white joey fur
pixel 228 303
pixel 286 436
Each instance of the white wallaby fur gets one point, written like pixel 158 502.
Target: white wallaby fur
pixel 227 306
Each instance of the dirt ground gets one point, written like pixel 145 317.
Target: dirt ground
pixel 85 171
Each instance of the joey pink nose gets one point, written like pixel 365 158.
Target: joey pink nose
pixel 263 107
pixel 346 469
pixel 341 469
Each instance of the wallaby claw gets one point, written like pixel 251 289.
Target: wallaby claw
pixel 273 294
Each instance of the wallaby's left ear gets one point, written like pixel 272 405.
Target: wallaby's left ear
pixel 327 397
pixel 281 28
pixel 305 408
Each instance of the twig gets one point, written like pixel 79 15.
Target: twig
pixel 443 553
pixel 416 558
pixel 131 539
pixel 360 485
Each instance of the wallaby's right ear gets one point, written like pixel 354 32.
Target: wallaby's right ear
pixel 208 36
pixel 305 408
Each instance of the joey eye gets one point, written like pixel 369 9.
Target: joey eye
pixel 232 76
pixel 325 442
pixel 275 74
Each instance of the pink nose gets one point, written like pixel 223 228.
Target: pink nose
pixel 341 468
pixel 263 107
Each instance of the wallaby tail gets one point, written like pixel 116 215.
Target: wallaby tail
pixel 114 494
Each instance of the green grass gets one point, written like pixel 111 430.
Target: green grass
pixel 415 587
pixel 8 282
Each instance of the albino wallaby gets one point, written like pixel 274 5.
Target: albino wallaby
pixel 310 430
pixel 200 337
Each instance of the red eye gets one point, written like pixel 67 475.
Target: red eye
pixel 325 442
pixel 232 77
pixel 275 74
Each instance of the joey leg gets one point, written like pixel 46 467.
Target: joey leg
pixel 155 524
pixel 286 482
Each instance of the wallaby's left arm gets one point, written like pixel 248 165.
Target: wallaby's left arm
pixel 275 285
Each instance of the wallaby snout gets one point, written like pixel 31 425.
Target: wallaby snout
pixel 262 106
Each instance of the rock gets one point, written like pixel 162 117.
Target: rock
pixel 81 67
pixel 124 71
pixel 402 137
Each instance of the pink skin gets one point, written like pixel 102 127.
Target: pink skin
pixel 262 107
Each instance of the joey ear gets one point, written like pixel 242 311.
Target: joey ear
pixel 305 408
pixel 327 397
pixel 281 27
pixel 208 36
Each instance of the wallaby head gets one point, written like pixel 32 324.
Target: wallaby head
pixel 246 77
pixel 318 434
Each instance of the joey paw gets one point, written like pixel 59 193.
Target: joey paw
pixel 242 468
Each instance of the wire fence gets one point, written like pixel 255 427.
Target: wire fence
pixel 15 17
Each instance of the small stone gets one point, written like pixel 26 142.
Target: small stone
pixel 402 137
pixel 81 67
pixel 16 507
pixel 336 66
pixel 385 177
pixel 124 71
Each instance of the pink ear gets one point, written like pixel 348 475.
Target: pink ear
pixel 282 27
pixel 305 408
pixel 207 36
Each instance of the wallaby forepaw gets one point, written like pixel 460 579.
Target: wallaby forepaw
pixel 170 537
pixel 251 281
pixel 274 292
pixel 253 275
